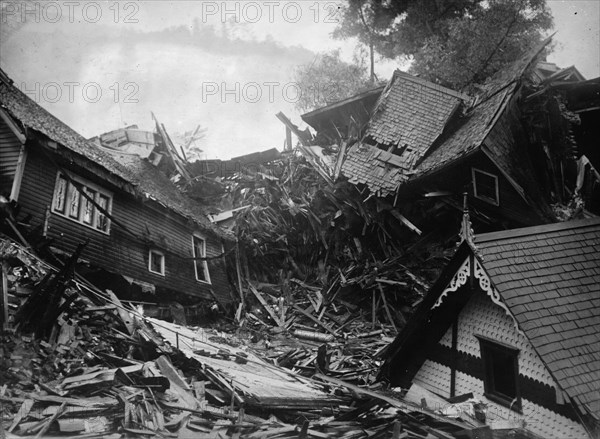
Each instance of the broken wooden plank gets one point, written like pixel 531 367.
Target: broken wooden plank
pixel 265 305
pixel 46 426
pixel 387 309
pixel 21 414
pixel 314 319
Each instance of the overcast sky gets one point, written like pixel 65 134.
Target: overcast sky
pixel 228 66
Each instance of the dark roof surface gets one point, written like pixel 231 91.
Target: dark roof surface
pixel 24 109
pixel 469 134
pixel 312 116
pixel 418 117
pixel 145 180
pixel 549 277
pixel 412 113
pixel 155 185
pixel 366 164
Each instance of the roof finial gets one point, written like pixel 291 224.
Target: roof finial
pixel 466 229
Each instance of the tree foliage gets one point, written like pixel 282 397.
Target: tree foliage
pixel 451 42
pixel 329 79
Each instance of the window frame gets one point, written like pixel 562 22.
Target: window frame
pixel 88 186
pixel 487 347
pixel 495 201
pixel 196 261
pixel 162 262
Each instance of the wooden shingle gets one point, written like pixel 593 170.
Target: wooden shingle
pixel 560 314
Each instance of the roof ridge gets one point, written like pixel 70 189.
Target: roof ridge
pixel 527 231
pixel 437 87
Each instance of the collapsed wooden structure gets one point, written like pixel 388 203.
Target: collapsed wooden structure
pixel 102 369
pixel 147 240
pixel 522 147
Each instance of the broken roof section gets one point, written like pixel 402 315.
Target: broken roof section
pixel 344 118
pixel 419 127
pixel 410 115
pixel 137 177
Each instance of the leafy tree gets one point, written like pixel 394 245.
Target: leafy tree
pixel 451 42
pixel 329 79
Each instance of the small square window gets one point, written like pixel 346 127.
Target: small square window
pixel 485 186
pixel 156 262
pixel 501 373
pixel 200 265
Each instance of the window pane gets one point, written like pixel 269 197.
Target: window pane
pixel 74 202
pixel 61 195
pixel 156 262
pixel 101 219
pixel 200 252
pixel 88 207
pixel 485 185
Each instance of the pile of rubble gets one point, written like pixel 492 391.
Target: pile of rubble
pixel 102 369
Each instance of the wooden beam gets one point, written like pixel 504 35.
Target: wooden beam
pixel 4 274
pixel 314 319
pixel 265 305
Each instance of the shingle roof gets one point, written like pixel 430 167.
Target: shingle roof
pixel 145 182
pixel 549 277
pixel 366 164
pixel 469 134
pixel 155 185
pixel 419 114
pixel 411 113
pixel 32 115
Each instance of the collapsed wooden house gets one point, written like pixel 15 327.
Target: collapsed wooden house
pixel 513 320
pixel 147 241
pixel 522 146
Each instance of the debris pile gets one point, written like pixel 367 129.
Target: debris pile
pixel 103 369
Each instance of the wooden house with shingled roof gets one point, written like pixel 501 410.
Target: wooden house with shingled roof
pixel 514 319
pixel 147 240
pixel 522 146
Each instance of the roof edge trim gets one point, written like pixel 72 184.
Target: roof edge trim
pixel 526 231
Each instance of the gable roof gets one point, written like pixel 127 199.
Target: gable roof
pixel 473 128
pixel 411 114
pixel 140 180
pixel 419 114
pixel 549 277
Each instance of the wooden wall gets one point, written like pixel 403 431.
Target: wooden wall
pixel 10 147
pixel 120 252
pixel 512 207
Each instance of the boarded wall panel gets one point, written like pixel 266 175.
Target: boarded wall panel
pixel 120 251
pixel 10 147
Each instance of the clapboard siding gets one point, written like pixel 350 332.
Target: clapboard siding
pixel 119 251
pixel 10 147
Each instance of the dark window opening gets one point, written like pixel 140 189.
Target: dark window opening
pixel 501 373
pixel 485 186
